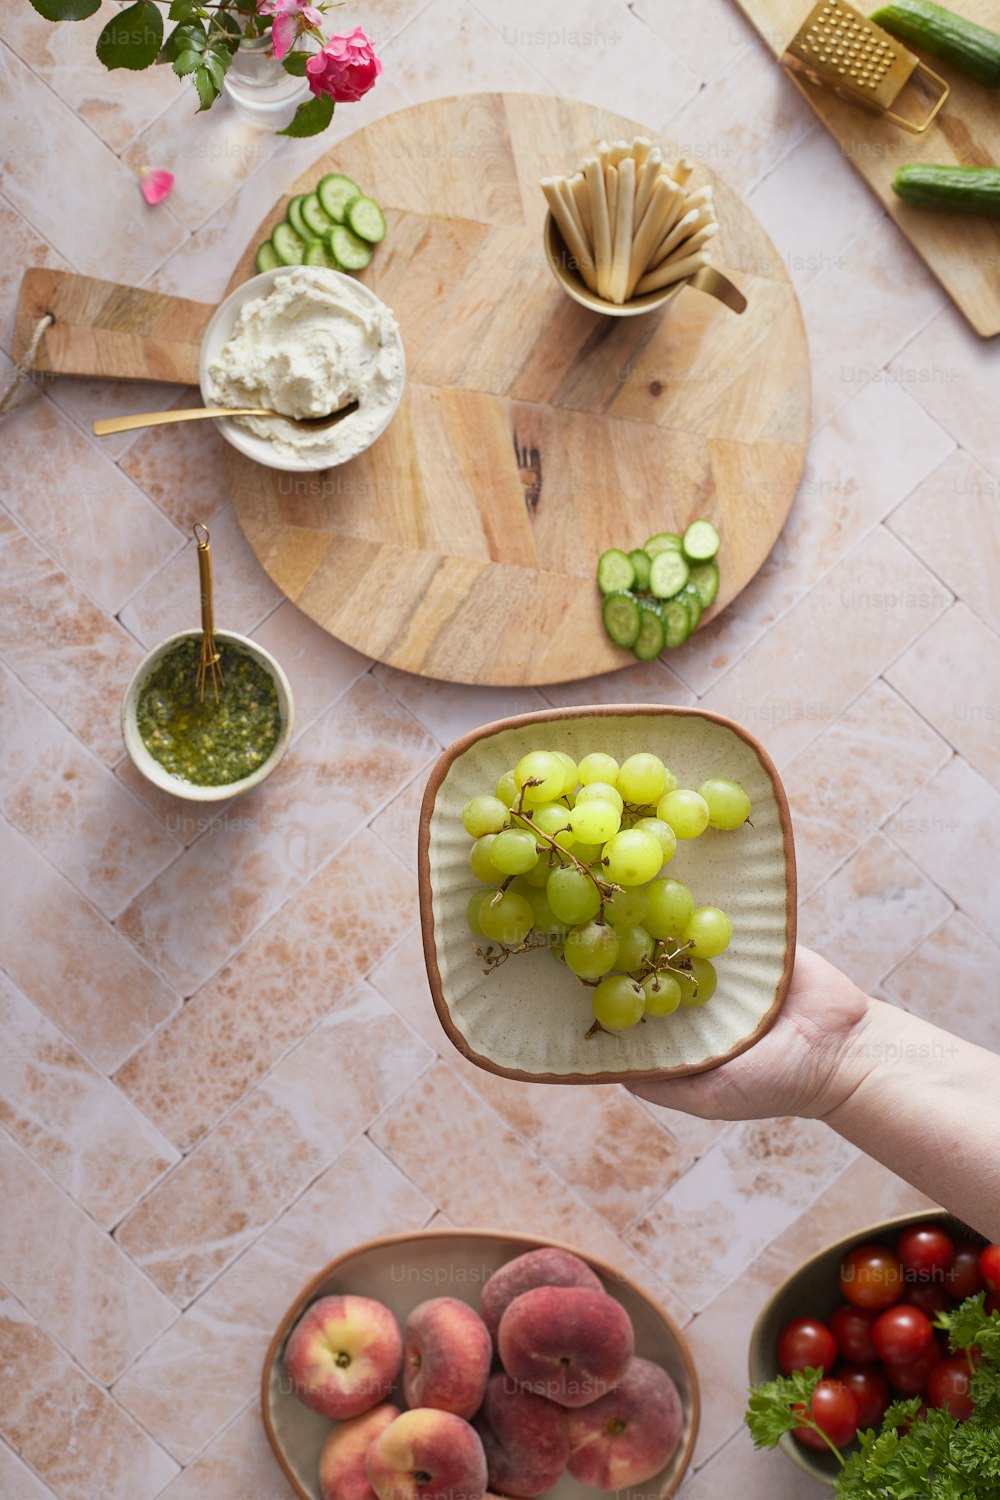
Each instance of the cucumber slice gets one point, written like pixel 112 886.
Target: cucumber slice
pixel 622 618
pixel 367 220
pixel 640 561
pixel 669 573
pixel 690 596
pixel 316 221
pixel 347 250
pixel 701 541
pixel 614 572
pixel 677 620
pixel 705 578
pixel 334 193
pixel 652 637
pixel 267 257
pixel 661 542
pixel 289 247
pixel 315 254
pixel 295 218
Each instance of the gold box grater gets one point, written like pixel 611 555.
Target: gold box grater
pixel 841 49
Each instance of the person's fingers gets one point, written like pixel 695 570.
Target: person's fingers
pixel 707 1095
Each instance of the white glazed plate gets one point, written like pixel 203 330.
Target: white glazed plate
pixel 404 1270
pixel 218 332
pixel 527 1019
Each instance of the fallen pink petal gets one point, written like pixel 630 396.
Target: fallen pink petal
pixel 156 184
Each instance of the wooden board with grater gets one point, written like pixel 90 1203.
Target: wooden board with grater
pixel 884 111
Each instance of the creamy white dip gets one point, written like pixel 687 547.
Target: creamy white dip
pixel 312 343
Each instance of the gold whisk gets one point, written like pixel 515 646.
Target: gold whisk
pixel 208 661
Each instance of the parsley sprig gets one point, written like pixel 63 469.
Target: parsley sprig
pixel 933 1457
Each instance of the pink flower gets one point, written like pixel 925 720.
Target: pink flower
pixel 156 184
pixel 289 16
pixel 346 67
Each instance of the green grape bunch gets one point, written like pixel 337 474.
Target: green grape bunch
pixel 570 857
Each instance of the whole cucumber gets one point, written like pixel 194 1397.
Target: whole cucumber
pixel 971 48
pixel 966 190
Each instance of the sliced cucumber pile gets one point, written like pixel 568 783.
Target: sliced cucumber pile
pixel 335 226
pixel 655 596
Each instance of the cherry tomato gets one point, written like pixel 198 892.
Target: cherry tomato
pixel 806 1344
pixel 871 1391
pixel 925 1247
pixel 911 1379
pixel 948 1387
pixel 852 1328
pixel 835 1409
pixel 963 1277
pixel 929 1296
pixel 902 1334
pixel 989 1268
pixel 993 1303
pixel 871 1276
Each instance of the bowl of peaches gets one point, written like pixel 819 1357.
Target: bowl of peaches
pixel 449 1365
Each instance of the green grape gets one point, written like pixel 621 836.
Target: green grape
pixel 686 812
pixel 544 920
pixel 508 922
pixel 618 1002
pixel 709 931
pixel 552 818
pixel 632 857
pixel 728 804
pixel 595 822
pixel 635 946
pixel 626 908
pixel 661 831
pixel 588 854
pixel 544 767
pixel 591 950
pixel 572 774
pixel 642 779
pixel 572 895
pixel 670 905
pixel 600 791
pixel 472 914
pixel 538 875
pixel 672 782
pixel 663 994
pixel 598 767
pixel 484 815
pixel 698 987
pixel 514 851
pixel 479 858
pixel 506 790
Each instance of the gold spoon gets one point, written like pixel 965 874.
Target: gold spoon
pixel 108 425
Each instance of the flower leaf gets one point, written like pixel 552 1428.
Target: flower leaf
pixel 310 118
pixel 295 63
pixel 181 10
pixel 207 91
pixel 66 10
pixel 132 38
pixel 186 63
pixel 184 38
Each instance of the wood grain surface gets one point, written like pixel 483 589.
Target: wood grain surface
pixel 963 251
pixel 533 433
pixel 103 328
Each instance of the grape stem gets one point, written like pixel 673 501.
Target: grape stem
pixel 494 960
pixel 500 889
pixel 605 888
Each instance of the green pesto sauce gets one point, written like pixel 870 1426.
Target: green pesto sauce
pixel 206 742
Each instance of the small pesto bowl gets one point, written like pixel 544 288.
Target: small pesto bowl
pixel 151 767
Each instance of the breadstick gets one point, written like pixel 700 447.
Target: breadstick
pixel 685 226
pixel 650 230
pixel 671 271
pixel 618 153
pixel 646 179
pixel 565 192
pixel 697 241
pixel 601 222
pixel 641 147
pixel 683 170
pixel 575 244
pixel 581 197
pixel 603 151
pixel 621 259
pixel 611 185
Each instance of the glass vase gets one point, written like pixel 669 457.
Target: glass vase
pixel 258 83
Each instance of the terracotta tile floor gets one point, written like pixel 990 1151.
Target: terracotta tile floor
pixel 182 1144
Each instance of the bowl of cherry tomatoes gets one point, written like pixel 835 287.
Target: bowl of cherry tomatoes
pixel 863 1311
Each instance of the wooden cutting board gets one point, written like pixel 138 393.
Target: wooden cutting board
pixel 533 433
pixel 963 251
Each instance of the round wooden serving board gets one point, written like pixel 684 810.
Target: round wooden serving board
pixel 533 433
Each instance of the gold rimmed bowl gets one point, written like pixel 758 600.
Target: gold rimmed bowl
pixel 405 1269
pixel 527 1019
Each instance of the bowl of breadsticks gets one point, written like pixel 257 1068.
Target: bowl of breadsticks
pixel 626 231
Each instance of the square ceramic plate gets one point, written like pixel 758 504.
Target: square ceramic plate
pixel 527 1019
pixel 404 1270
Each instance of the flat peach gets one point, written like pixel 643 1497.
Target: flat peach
pixel 546 1267
pixel 447 1354
pixel 526 1438
pixel 427 1455
pixel 571 1344
pixel 343 1355
pixel 630 1434
pixel 342 1473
